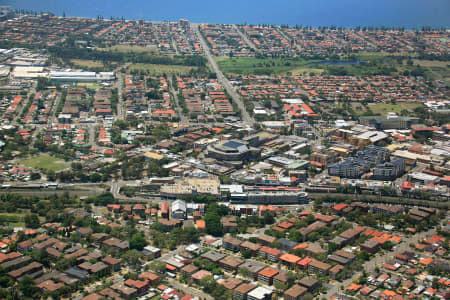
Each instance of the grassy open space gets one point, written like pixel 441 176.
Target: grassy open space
pixel 384 108
pixel 94 65
pixel 17 224
pixel 380 63
pixel 264 66
pixel 87 63
pixel 298 66
pixel 128 48
pixel 89 85
pixel 432 70
pixel 431 63
pixel 306 70
pixel 15 219
pixel 12 219
pixel 377 55
pixel 161 69
pixel 45 162
pixel 18 216
pixel 440 73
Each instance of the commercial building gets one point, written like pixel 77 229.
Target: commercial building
pixel 372 137
pixel 389 122
pixel 374 154
pixel 259 139
pixel 271 195
pixel 69 76
pixel 304 130
pixel 389 170
pixel 423 178
pixel 324 157
pixel 351 167
pixel 232 150
pixel 29 72
pixel 179 209
pixel 190 186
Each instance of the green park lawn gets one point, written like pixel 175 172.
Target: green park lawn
pixel 384 108
pixel 129 48
pixel 263 66
pixel 89 85
pixel 87 63
pixel 155 69
pixel 45 162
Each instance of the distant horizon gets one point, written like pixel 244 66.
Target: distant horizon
pixel 307 13
pixel 249 24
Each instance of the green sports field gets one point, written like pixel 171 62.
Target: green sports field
pixel 45 162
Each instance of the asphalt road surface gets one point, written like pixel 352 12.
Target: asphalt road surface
pixel 222 79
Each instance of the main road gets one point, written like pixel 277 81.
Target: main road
pixel 120 80
pixel 246 118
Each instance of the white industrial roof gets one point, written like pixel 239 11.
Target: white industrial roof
pixel 179 205
pixel 260 292
pixel 373 136
pixel 293 101
pixel 72 74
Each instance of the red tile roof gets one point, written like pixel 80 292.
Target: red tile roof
pixel 290 258
pixel 268 272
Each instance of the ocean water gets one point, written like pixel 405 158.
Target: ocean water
pixel 344 13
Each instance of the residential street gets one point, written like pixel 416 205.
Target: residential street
pixel 246 39
pixel 191 291
pixel 183 118
pixel 378 261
